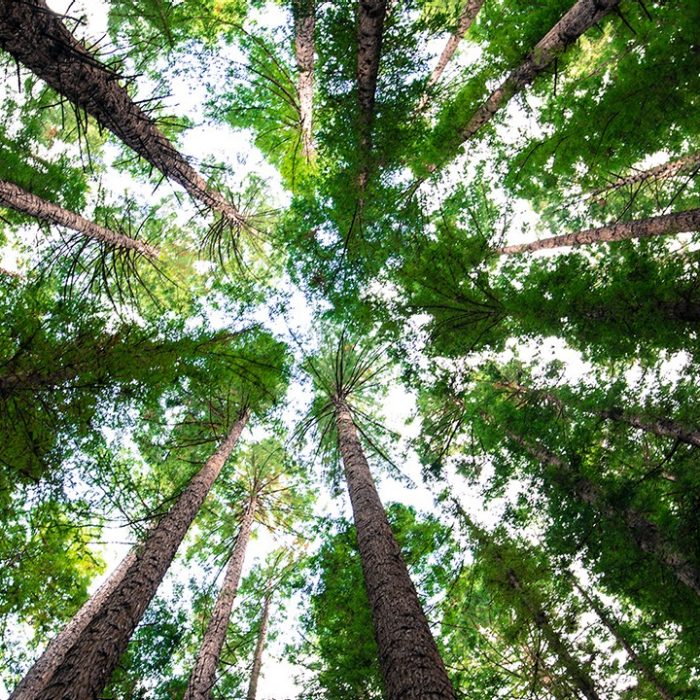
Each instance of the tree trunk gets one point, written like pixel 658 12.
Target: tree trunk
pixel 88 664
pixel 42 670
pixel 558 646
pixel 645 533
pixel 36 37
pixel 25 202
pixel 469 13
pixel 408 656
pixel 259 648
pixel 666 224
pixel 644 669
pixel 581 17
pixel 304 25
pixel 665 171
pixel 204 673
pixel 554 640
pixel 664 427
pixel 370 30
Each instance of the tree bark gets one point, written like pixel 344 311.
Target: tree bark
pixel 581 17
pixel 88 664
pixel 304 25
pixel 578 675
pixel 408 656
pixel 558 646
pixel 25 202
pixel 665 171
pixel 645 533
pixel 259 648
pixel 469 13
pixel 666 224
pixel 36 37
pixel 42 670
pixel 644 669
pixel 203 675
pixel 664 427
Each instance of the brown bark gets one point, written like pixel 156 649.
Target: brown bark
pixel 554 640
pixel 645 533
pixel 665 171
pixel 42 670
pixel 408 656
pixel 259 648
pixel 203 675
pixel 370 30
pixel 469 13
pixel 613 627
pixel 88 664
pixel 25 202
pixel 664 427
pixel 304 26
pixel 539 615
pixel 36 37
pixel 664 225
pixel 581 17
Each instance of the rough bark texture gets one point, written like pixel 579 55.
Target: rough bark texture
pixel 666 224
pixel 204 673
pixel 36 37
pixel 259 648
pixel 88 664
pixel 25 202
pixel 304 26
pixel 408 656
pixel 681 166
pixel 664 427
pixel 554 640
pixel 581 17
pixel 645 533
pixel 39 674
pixel 644 669
pixel 556 644
pixel 469 13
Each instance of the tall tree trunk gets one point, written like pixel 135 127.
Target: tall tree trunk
pixel 666 224
pixel 39 674
pixel 370 31
pixel 469 13
pixel 259 648
pixel 576 672
pixel 614 628
pixel 664 427
pixel 36 37
pixel 25 202
pixel 581 17
pixel 304 25
pixel 88 664
pixel 539 615
pixel 680 166
pixel 645 533
pixel 408 656
pixel 204 673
